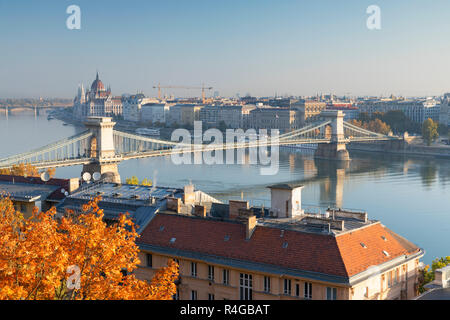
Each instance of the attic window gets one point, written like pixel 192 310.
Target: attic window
pixel 285 245
pixel 363 245
pixel 226 238
pixel 173 240
pixel 386 253
pixel 384 238
pixel 161 228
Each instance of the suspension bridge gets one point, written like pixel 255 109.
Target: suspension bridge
pixel 100 148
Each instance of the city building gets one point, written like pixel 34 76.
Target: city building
pixel 30 192
pixel 141 202
pixel 273 118
pixel 233 251
pixel 307 111
pixel 184 115
pixel 233 116
pixel 416 110
pixel 155 112
pixel 351 112
pixel 132 106
pixel 98 101
pixel 444 116
pixel 282 102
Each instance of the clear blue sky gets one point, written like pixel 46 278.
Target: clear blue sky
pixel 237 46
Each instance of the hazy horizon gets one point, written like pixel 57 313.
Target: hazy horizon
pixel 263 48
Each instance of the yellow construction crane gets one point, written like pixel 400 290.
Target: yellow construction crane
pixel 183 87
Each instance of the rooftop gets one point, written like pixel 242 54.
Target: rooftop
pixel 125 193
pixel 27 192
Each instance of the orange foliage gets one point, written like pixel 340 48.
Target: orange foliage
pixel 26 170
pixel 35 254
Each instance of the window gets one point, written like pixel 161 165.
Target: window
pixel 397 275
pixel 389 279
pixel 266 284
pixel 149 260
pixel 287 287
pixel 226 276
pixel 366 292
pixel 211 273
pixel 308 291
pixel 297 290
pixel 193 295
pixel 245 286
pixel 331 293
pixel 194 269
pixel 210 296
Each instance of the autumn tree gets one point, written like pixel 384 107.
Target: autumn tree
pixel 373 125
pixel 429 131
pixel 428 273
pixel 135 181
pixel 26 170
pixel 79 256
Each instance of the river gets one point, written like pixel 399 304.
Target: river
pixel 410 195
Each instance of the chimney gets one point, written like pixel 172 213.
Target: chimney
pixel 286 200
pixel 189 194
pixel 174 204
pixel 234 206
pixel 250 225
pixel 200 211
pixel 74 184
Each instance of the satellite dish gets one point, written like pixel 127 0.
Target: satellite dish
pixel 45 176
pixel 66 193
pixel 96 176
pixel 63 190
pixel 86 176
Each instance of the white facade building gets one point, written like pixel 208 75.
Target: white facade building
pixel 132 107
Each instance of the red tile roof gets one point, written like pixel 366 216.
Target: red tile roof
pixel 322 253
pixel 357 258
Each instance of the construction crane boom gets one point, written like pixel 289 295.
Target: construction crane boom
pixel 183 87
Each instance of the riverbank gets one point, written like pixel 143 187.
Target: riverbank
pixel 403 149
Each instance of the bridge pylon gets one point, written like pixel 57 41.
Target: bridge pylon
pixel 101 149
pixel 336 149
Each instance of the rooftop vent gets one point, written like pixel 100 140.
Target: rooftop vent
pixel 161 228
pixel 285 245
pixel 173 240
pixel 363 245
pixel 384 238
pixel 386 253
pixel 282 234
pixel 226 238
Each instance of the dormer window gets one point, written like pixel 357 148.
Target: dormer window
pixel 363 245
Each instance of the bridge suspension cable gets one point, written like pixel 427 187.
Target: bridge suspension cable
pixel 73 147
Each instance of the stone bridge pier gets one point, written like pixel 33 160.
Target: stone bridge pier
pixel 101 149
pixel 336 149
